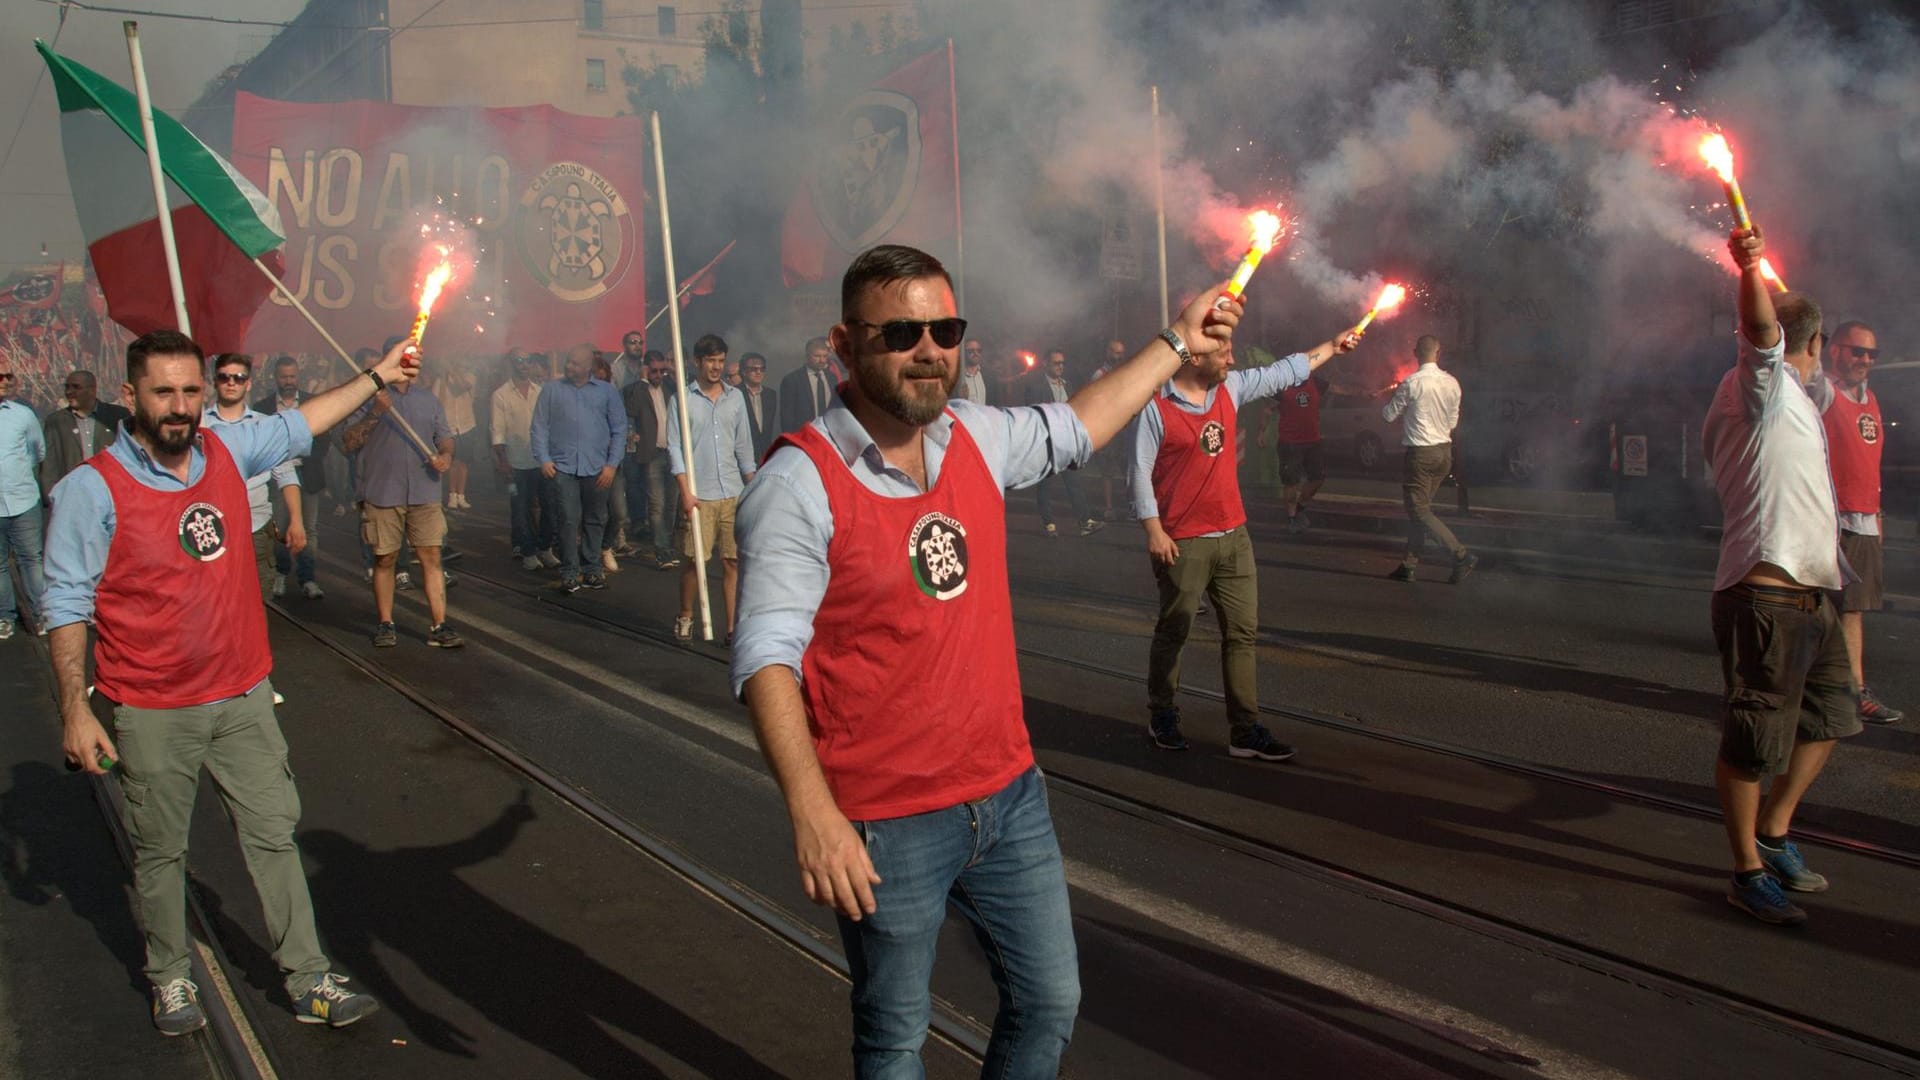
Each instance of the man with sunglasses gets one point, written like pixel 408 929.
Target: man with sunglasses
pixel 232 377
pixel 1789 694
pixel 22 532
pixel 875 652
pixel 1054 388
pixel 74 433
pixel 1856 433
pixel 763 411
pixel 806 394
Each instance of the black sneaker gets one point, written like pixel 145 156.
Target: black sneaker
pixel 329 1002
pixel 1091 526
pixel 1259 743
pixel 1401 573
pixel 384 636
pixel 667 563
pixel 595 581
pixel 176 1008
pixel 1875 711
pixel 569 585
pixel 1462 567
pixel 441 636
pixel 1163 727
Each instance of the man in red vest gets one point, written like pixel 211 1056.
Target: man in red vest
pixel 875 651
pixel 1855 436
pixel 151 543
pixel 1303 460
pixel 1186 493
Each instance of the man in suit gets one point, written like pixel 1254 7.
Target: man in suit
pixel 1054 388
pixel 762 403
pixel 74 433
pixel 806 394
pixel 287 394
pixel 974 385
pixel 647 400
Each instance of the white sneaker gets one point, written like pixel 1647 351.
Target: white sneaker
pixel 340 511
pixel 608 562
pixel 312 591
pixel 279 585
pixel 278 699
pixel 6 629
pixel 531 562
pixel 683 628
pixel 548 559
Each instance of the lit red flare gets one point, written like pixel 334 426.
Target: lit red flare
pixel 1264 228
pixel 1390 297
pixel 1773 276
pixel 430 294
pixel 1719 157
pixel 1029 360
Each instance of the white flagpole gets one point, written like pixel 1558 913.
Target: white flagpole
pixel 159 179
pixel 680 373
pixel 959 225
pixel 1160 208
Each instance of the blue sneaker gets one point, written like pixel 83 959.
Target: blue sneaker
pixel 1259 743
pixel 1785 863
pixel 328 1001
pixel 1164 729
pixel 1763 900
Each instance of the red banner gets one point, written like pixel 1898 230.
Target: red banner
pixel 885 174
pixel 552 201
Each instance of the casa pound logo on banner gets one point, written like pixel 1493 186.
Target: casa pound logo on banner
pixel 575 232
pixel 937 552
pixel 203 532
pixel 1213 438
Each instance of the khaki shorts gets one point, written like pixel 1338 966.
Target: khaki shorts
pixel 383 527
pixel 1869 562
pixel 716 524
pixel 1786 672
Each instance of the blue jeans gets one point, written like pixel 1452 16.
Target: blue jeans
pixel 663 501
pixel 23 535
pixel 300 566
pixel 583 509
pixel 529 488
pixel 997 862
pixel 1043 494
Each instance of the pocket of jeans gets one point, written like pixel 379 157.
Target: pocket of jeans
pixel 865 831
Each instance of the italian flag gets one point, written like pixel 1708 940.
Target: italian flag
pixel 220 220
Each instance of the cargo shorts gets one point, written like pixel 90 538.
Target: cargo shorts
pixel 1787 679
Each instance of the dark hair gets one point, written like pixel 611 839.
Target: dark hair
pixel 708 345
pixel 818 343
pixel 1799 318
pixel 159 343
pixel 748 358
pixel 1427 347
pixel 231 359
pixel 1061 353
pixel 652 355
pixel 285 361
pixel 884 265
pixel 1851 324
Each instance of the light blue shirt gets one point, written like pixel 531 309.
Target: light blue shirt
pixel 720 434
pixel 259 504
pixel 1242 387
pixel 580 429
pixel 22 447
pixel 784 522
pixel 81 531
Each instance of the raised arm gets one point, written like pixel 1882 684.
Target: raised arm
pixel 1755 299
pixel 1105 405
pixel 325 410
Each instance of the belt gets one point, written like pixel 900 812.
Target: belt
pixel 1804 599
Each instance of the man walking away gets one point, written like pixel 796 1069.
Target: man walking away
pixel 1430 400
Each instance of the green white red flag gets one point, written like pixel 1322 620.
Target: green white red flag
pixel 220 220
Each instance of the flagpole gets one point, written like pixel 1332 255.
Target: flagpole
pixel 680 373
pixel 281 286
pixel 159 182
pixel 959 230
pixel 1160 207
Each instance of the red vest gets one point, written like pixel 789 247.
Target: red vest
pixel 1855 436
pixel 177 614
pixel 1193 477
pixel 1300 412
pixel 911 685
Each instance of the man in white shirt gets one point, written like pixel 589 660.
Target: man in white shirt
pixel 1789 689
pixel 1430 400
pixel 511 426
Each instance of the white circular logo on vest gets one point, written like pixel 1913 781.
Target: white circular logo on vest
pixel 203 532
pixel 1869 428
pixel 937 551
pixel 1213 438
pixel 1303 399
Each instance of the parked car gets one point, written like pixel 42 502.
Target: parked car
pixel 1351 430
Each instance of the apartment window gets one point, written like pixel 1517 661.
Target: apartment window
pixel 670 74
pixel 596 76
pixel 668 18
pixel 593 15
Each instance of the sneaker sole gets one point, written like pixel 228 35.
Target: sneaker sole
pixel 1159 745
pixel 448 644
pixel 305 1019
pixel 386 644
pixel 183 1031
pixel 1785 920
pixel 1243 752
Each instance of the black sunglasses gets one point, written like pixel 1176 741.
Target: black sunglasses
pixel 232 378
pixel 1861 352
pixel 899 335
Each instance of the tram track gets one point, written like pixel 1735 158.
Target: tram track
pixel 1833 1038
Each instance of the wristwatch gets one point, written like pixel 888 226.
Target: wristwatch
pixel 1179 347
pixel 379 383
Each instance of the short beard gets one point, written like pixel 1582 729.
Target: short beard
pixel 914 409
pixel 166 444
